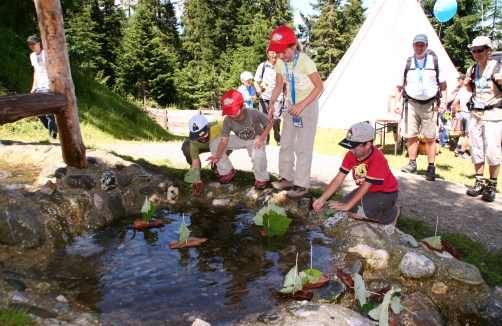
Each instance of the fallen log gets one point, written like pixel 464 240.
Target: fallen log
pixel 20 106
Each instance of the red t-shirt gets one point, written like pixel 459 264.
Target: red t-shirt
pixel 374 169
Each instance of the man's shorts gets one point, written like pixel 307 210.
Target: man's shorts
pixel 465 119
pixel 420 119
pixel 484 140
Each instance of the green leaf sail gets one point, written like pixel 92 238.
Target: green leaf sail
pixel 292 282
pixel 360 211
pixel 258 218
pixel 147 210
pixel 434 242
pixel 314 275
pixel 184 232
pixel 192 176
pixel 275 224
pixel 360 289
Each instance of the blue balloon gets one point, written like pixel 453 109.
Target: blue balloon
pixel 444 10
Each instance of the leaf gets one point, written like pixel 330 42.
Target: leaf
pixel 258 218
pixel 330 212
pixel 292 282
pixel 381 313
pixel 395 305
pixel 192 176
pixel 434 242
pixel 275 224
pixel 360 289
pixel 184 232
pixel 360 211
pixel 367 307
pixel 346 279
pixel 314 273
pixel 147 210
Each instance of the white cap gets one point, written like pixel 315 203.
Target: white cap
pixel 198 126
pixel 246 75
pixel 481 41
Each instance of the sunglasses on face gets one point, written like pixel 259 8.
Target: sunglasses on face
pixel 478 51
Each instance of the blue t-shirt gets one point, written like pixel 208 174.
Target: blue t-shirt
pixel 247 92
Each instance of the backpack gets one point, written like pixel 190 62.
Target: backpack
pixel 436 68
pixel 494 56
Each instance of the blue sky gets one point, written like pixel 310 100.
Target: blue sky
pixel 305 8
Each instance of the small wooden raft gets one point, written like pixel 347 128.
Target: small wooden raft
pixel 191 242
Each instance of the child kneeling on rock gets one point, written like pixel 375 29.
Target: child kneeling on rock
pixel 377 187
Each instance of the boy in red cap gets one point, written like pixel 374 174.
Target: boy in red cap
pixel 377 189
pixel 300 118
pixel 251 128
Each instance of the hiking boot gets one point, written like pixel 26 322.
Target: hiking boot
pixel 297 192
pixel 478 189
pixel 260 184
pixel 410 168
pixel 283 184
pixel 431 173
pixel 228 177
pixel 490 191
pixel 464 155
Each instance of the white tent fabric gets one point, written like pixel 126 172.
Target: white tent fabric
pixel 358 88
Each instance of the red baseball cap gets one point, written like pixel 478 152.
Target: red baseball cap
pixel 281 38
pixel 231 102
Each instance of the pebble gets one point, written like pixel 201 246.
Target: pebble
pixel 408 241
pixel 465 273
pixel 16 296
pixel 439 288
pixel 16 284
pixel 416 266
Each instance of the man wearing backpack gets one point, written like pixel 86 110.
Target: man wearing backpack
pixel 422 85
pixel 485 129
pixel 264 83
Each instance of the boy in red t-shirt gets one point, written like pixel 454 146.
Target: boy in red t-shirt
pixel 377 187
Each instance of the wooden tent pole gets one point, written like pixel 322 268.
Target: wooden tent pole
pixel 50 22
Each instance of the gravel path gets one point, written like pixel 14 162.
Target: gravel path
pixel 421 200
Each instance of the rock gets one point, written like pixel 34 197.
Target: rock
pixel 364 230
pixel 145 177
pixel 129 197
pixel 49 188
pixel 92 160
pixel 20 224
pixel 60 173
pixel 150 190
pixel 80 181
pixel 439 288
pixel 172 194
pixel 415 265
pixel 304 311
pixel 98 201
pixel 354 321
pixel 221 202
pixel 408 241
pixel 34 310
pixel 16 284
pixel 18 297
pixel 465 273
pixel 33 273
pixel 494 312
pixel 115 205
pixel 389 229
pixel 444 254
pixel 333 220
pixel 61 306
pixel 108 180
pixel 240 205
pixel 330 293
pixel 61 298
pixel 420 310
pixel 200 322
pixel 376 259
pixel 264 199
pixel 269 318
pixel 123 179
pixel 303 203
pixel 13 274
pixel 49 170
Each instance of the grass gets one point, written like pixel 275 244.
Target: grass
pixel 15 317
pixel 488 262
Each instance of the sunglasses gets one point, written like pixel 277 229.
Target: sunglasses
pixel 478 51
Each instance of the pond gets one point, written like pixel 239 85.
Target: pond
pixel 133 277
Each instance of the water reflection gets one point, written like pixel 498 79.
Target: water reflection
pixel 137 277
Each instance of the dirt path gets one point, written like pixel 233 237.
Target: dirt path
pixel 421 200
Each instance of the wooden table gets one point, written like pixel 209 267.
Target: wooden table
pixel 381 125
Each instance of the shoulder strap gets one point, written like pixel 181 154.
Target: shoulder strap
pixel 263 69
pixel 436 66
pixel 406 69
pixel 496 69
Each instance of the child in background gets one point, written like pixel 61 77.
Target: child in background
pixel 248 92
pixel 300 118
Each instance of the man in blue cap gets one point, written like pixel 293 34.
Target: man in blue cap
pixel 423 87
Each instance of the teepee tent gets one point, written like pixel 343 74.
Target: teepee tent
pixel 358 88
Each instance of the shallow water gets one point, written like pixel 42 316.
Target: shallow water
pixel 132 277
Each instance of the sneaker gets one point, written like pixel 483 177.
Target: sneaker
pixel 478 189
pixel 456 151
pixel 410 168
pixel 214 168
pixel 228 177
pixel 490 190
pixel 431 173
pixel 297 192
pixel 464 155
pixel 283 184
pixel 260 184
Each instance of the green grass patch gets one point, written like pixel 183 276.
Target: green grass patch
pixel 488 262
pixel 15 317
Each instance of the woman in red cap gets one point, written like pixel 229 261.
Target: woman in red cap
pixel 300 119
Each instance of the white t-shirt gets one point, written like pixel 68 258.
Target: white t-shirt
pixel 464 97
pixel 428 87
pixel 38 62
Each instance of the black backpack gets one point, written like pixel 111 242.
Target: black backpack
pixel 497 56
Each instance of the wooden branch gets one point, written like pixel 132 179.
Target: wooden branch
pixel 17 107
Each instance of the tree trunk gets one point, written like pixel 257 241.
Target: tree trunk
pixel 50 22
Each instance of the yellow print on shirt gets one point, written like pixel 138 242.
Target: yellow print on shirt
pixel 360 173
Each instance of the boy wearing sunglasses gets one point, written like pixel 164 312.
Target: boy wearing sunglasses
pixel 485 129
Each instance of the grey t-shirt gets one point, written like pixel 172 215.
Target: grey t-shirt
pixel 248 128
